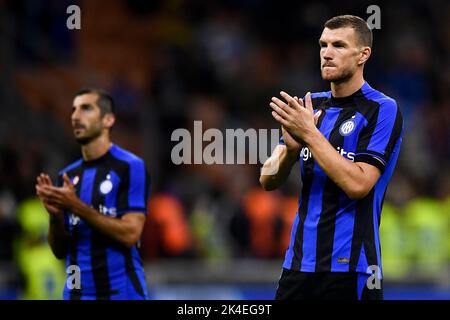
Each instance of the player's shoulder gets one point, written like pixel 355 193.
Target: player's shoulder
pixel 71 166
pixel 385 102
pixel 321 95
pixel 125 155
pixel 318 98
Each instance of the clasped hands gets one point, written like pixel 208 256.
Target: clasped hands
pixel 296 117
pixel 55 199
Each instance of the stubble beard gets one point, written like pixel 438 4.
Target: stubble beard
pixel 88 138
pixel 341 77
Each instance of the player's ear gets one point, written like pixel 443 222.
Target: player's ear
pixel 108 120
pixel 365 53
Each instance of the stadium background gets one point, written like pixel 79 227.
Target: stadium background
pixel 212 232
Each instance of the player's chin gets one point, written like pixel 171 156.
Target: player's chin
pixel 327 76
pixel 82 139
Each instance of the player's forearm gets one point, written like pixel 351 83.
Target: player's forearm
pixel 349 176
pixel 57 236
pixel 276 169
pixel 118 229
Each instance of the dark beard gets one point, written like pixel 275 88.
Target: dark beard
pixel 83 141
pixel 86 140
pixel 340 78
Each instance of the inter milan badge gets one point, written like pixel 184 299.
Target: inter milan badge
pixel 73 219
pixel 347 127
pixel 106 186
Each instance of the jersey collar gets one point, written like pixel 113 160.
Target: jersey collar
pixel 99 160
pixel 346 100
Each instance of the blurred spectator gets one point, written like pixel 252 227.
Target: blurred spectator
pixel 166 231
pixel 43 275
pixel 427 226
pixel 261 210
pixel 395 245
pixel 9 227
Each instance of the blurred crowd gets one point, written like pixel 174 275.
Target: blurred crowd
pixel 168 63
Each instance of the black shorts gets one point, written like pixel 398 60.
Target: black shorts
pixel 296 285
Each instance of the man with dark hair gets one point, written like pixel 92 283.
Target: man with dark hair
pixel 363 33
pixel 98 210
pixel 104 100
pixel 347 141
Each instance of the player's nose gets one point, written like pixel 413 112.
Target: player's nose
pixel 75 115
pixel 327 53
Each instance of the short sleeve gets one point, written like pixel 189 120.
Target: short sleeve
pixel 378 139
pixel 134 190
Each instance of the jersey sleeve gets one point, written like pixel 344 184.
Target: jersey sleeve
pixel 377 140
pixel 135 189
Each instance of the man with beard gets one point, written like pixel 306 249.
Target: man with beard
pixel 347 141
pixel 98 210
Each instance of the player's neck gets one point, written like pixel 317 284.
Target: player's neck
pixel 96 148
pixel 347 88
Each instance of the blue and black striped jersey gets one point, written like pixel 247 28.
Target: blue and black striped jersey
pixel 115 184
pixel 331 232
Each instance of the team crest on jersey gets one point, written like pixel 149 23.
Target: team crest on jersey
pixel 347 127
pixel 106 186
pixel 73 219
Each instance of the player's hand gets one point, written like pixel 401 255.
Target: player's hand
pixel 44 180
pixel 292 145
pixel 62 197
pixel 295 116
